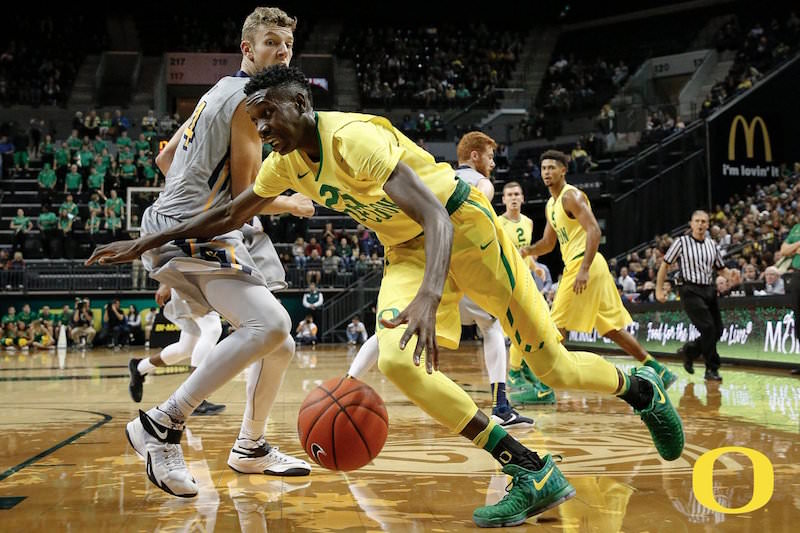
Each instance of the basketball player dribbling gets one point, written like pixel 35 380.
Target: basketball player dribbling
pixel 211 159
pixel 475 163
pixel 363 166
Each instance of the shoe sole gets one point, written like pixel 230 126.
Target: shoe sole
pixel 511 523
pixel 207 412
pixel 130 440
pixel 292 472
pixel 499 421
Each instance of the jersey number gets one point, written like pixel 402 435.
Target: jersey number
pixel 188 133
pixel 521 236
pixel 563 238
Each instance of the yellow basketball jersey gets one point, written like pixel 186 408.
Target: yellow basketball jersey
pixel 358 153
pixel 570 233
pixel 520 232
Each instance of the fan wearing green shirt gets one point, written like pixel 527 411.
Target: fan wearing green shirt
pixel 47 183
pixel 69 206
pixel 94 228
pixel 95 181
pixel 790 251
pixel 21 226
pixel 128 174
pixel 124 140
pixel 149 173
pixel 74 143
pixel 47 150
pixel 114 204
pixel 113 224
pixel 73 181
pixel 85 157
pixel 26 315
pixel 62 157
pixel 95 208
pixel 99 144
pixel 11 316
pixel 142 144
pixel 48 227
pixel 126 155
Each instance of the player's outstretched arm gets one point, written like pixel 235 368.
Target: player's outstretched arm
pixel 543 246
pixel 417 201
pixel 214 222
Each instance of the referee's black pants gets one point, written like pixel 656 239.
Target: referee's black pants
pixel 700 303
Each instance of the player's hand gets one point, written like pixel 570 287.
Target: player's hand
pixel 302 206
pixel 420 315
pixel 580 281
pixel 163 294
pixel 117 252
pixel 660 296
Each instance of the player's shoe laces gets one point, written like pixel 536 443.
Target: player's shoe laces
pixel 660 417
pixel 135 386
pixel 540 394
pixel 157 439
pixel 257 457
pixel 208 408
pixel 510 418
pixel 530 493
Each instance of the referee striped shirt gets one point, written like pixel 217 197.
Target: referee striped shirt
pixel 697 259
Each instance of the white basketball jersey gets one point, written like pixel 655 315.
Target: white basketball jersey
pixel 199 176
pixel 470 175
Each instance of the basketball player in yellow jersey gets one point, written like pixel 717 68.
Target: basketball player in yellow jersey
pixel 587 297
pixel 519 228
pixel 361 165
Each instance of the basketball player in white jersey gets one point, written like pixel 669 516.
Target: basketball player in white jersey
pixel 212 158
pixel 475 153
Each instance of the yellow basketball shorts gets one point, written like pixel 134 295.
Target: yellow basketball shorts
pixel 599 305
pixel 486 266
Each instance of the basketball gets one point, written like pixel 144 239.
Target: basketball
pixel 343 424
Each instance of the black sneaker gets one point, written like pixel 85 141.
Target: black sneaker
pixel 135 386
pixel 208 408
pixel 712 375
pixel 510 418
pixel 688 364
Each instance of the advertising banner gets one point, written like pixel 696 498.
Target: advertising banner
pixel 752 332
pixel 749 141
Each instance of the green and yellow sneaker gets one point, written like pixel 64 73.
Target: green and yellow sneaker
pixel 516 381
pixel 530 493
pixel 540 394
pixel 660 417
pixel 663 372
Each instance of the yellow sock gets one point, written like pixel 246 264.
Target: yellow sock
pixel 515 359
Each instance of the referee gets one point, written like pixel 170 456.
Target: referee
pixel 698 256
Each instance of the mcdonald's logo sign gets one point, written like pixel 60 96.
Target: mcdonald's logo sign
pixel 749 137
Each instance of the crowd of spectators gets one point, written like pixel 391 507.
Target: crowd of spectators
pixel 575 84
pixel 436 66
pixel 758 49
pixel 750 230
pixel 338 254
pixel 40 329
pixel 40 57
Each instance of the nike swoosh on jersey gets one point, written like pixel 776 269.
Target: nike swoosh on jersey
pixel 539 484
pixel 301 176
pixel 485 246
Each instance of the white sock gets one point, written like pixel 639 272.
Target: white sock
pixel 251 429
pixel 180 405
pixel 365 359
pixel 145 366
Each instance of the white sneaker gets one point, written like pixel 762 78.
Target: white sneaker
pixel 156 438
pixel 257 457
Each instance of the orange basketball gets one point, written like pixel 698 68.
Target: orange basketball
pixel 343 424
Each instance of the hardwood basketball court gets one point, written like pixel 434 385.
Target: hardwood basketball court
pixel 65 464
